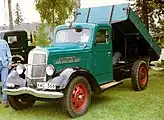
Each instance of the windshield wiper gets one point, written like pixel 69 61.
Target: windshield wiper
pixel 78 41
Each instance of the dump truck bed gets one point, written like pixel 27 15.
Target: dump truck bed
pixel 122 16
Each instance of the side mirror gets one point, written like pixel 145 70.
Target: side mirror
pixel 30 39
pixel 79 28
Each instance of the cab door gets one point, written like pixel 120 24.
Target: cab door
pixel 102 55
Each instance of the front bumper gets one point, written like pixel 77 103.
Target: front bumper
pixel 36 93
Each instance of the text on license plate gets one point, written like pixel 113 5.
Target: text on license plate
pixel 42 85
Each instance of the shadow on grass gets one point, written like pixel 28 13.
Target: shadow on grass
pixel 56 106
pixel 99 99
pixel 54 109
pixel 45 110
pixel 124 87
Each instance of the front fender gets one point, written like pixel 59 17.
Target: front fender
pixel 66 75
pixel 15 79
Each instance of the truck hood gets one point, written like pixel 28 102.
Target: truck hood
pixel 62 49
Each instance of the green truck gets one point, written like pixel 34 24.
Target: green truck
pixel 102 47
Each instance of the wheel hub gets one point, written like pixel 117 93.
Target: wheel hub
pixel 79 97
pixel 143 75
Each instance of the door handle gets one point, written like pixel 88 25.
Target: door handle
pixel 109 53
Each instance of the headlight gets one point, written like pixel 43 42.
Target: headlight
pixel 20 69
pixel 50 70
pixel 10 85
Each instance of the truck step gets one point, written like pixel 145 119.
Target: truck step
pixel 111 84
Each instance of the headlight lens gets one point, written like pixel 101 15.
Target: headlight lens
pixel 20 69
pixel 50 70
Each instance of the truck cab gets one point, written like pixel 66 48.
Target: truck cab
pixel 93 43
pixel 92 54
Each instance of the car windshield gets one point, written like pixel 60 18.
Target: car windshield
pixel 14 41
pixel 72 36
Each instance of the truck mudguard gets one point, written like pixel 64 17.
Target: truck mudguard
pixel 68 74
pixel 61 80
pixel 14 80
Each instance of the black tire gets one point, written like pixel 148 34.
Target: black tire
pixel 139 75
pixel 77 97
pixel 21 102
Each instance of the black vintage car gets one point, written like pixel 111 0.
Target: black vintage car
pixel 19 44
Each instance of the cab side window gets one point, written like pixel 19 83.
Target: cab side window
pixel 101 36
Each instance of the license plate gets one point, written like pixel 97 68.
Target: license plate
pixel 49 86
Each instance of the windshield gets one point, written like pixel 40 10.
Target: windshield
pixel 13 41
pixel 71 36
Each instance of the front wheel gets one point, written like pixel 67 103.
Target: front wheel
pixel 139 75
pixel 77 97
pixel 21 101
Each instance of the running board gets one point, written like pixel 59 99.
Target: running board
pixel 109 85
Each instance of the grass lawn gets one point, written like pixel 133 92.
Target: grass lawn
pixel 118 103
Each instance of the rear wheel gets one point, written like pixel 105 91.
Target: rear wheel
pixel 77 97
pixel 139 75
pixel 21 101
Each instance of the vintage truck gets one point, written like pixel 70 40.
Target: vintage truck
pixel 102 47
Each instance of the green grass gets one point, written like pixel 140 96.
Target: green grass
pixel 118 103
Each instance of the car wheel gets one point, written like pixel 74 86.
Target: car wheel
pixel 21 101
pixel 139 75
pixel 77 97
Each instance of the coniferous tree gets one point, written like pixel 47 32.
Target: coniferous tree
pixel 18 20
pixel 151 12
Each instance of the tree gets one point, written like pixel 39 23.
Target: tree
pixel 10 15
pixel 41 36
pixel 151 12
pixel 19 20
pixel 78 3
pixel 54 12
pixel 160 1
pixel 159 35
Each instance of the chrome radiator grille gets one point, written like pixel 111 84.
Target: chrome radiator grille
pixel 38 66
pixel 37 61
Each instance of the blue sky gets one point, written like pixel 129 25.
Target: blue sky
pixel 31 15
